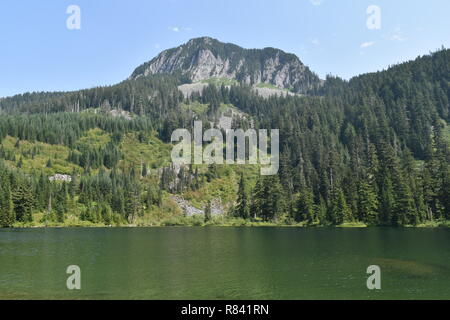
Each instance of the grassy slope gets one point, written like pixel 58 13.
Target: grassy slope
pixel 58 155
pixel 221 81
pixel 201 109
pixel 94 139
pixel 152 152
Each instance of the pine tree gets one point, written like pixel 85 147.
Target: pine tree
pixel 144 170
pixel 368 202
pixel 339 211
pixel 273 204
pixel 23 201
pixel 305 207
pixel 404 210
pixel 320 211
pixel 243 205
pixel 257 200
pixel 445 191
pixel 208 211
pixel 6 204
pixel 387 201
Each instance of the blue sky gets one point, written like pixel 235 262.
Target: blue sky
pixel 39 53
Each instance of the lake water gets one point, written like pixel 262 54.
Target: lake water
pixel 225 263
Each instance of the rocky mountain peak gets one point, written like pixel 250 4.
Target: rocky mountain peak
pixel 204 58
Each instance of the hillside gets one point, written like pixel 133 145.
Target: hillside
pixel 372 151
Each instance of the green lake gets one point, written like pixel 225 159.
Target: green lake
pixel 224 263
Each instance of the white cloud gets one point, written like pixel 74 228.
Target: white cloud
pixel 316 2
pixel 397 35
pixel 179 29
pixel 367 44
pixel 157 45
pixel 315 41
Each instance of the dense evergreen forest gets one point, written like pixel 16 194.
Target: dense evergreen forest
pixel 374 150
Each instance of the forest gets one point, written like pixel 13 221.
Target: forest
pixel 373 150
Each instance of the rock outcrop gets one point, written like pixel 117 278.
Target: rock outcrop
pixel 206 58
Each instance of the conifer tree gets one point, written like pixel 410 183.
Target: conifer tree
pixel 6 204
pixel 23 201
pixel 305 207
pixel 243 205
pixel 368 202
pixel 339 211
pixel 208 211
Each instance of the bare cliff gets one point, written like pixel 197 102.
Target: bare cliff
pixel 205 58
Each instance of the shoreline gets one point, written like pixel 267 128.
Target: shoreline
pixel 429 225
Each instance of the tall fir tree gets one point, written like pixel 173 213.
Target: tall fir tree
pixel 243 205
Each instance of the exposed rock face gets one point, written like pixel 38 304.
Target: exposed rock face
pixel 189 210
pixel 60 177
pixel 205 58
pixel 189 89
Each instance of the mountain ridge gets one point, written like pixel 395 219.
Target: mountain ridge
pixel 204 58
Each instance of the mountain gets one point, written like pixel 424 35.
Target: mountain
pixel 205 58
pixel 374 150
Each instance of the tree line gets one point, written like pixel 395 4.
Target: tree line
pixel 373 149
